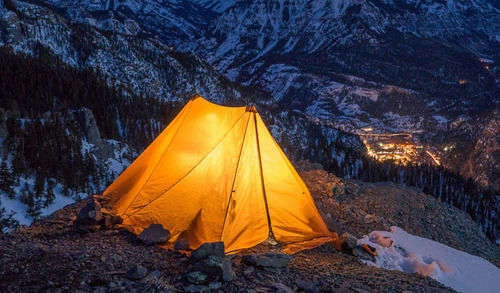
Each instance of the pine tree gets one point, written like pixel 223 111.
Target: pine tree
pixel 7 179
pixel 7 220
pixel 49 195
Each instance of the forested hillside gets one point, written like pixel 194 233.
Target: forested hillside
pixel 46 109
pixel 66 131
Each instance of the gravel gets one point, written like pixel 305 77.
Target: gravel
pixel 360 207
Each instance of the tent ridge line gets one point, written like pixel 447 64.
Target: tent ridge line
pixel 158 163
pixel 234 179
pixel 161 193
pixel 262 177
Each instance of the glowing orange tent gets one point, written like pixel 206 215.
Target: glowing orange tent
pixel 216 174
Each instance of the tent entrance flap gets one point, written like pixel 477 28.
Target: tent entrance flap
pixel 232 191
pixel 216 174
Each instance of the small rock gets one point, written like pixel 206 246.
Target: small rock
pixel 100 290
pixel 281 288
pixel 196 288
pixel 137 272
pixel 214 285
pixel 359 252
pixel 217 267
pixel 181 244
pixel 197 277
pixel 248 271
pixel 206 249
pixel 308 287
pixel 359 290
pixel 109 221
pixel 153 275
pixel 154 234
pixel 227 270
pixel 349 243
pixel 87 228
pixel 272 260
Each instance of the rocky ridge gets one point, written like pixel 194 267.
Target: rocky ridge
pixel 49 255
pixel 358 208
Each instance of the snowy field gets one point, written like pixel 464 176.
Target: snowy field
pixel 399 250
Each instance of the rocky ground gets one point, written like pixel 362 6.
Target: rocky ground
pixel 359 207
pixel 49 256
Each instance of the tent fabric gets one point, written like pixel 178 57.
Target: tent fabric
pixel 216 174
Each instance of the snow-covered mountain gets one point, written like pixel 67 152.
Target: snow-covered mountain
pixel 313 54
pixel 169 20
pixel 389 65
pixel 392 65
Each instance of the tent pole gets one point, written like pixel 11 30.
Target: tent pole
pixel 262 178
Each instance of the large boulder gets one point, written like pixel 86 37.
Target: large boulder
pixel 90 214
pixel 154 234
pixel 207 249
pixel 89 218
pixel 217 267
pixel 270 260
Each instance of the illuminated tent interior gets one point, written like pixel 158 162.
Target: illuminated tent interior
pixel 216 174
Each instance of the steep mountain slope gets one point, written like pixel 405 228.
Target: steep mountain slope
pixel 171 20
pixel 394 66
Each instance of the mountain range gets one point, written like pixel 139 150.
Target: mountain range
pixel 395 66
pixel 320 71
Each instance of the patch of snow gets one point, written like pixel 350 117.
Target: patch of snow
pixel 60 200
pixel 486 60
pixel 20 209
pixel 366 93
pixel 86 147
pixel 399 250
pixel 440 119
